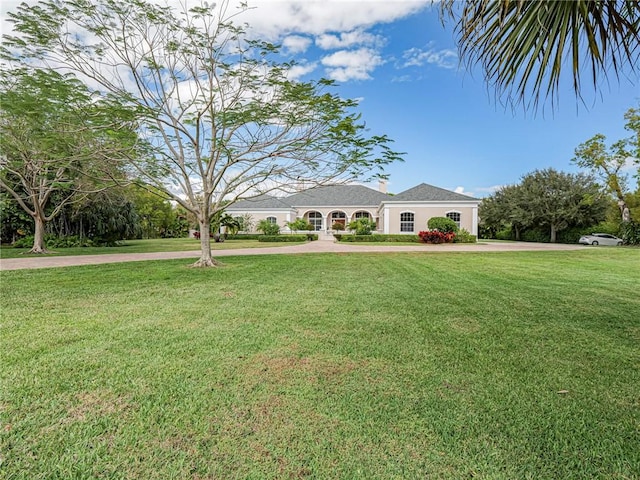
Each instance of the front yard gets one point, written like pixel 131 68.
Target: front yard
pixel 462 365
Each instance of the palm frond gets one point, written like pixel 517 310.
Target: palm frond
pixel 523 46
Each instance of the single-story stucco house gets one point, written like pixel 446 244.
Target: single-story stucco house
pixel 407 212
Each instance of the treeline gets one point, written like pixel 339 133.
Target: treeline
pixel 102 218
pixel 553 206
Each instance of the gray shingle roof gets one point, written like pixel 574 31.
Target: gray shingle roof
pixel 337 195
pixel 349 196
pixel 429 193
pixel 262 202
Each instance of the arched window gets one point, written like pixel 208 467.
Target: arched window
pixel 315 219
pixel 338 218
pixel 272 219
pixel 361 214
pixel 455 216
pixel 406 222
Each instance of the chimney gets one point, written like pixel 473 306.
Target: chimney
pixel 382 186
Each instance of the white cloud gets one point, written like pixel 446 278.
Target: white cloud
pixel 402 79
pixel 296 44
pixel 630 164
pixel 446 58
pixel 301 70
pixel 347 39
pixel 485 191
pixel 346 65
pixel 492 188
pixel 336 23
pixel 462 191
pixel 275 18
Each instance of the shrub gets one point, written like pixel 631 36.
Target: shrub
pixel 283 238
pixel 312 236
pixel 53 241
pixel 337 226
pixel 630 232
pixel 362 226
pixel 536 235
pixel 442 224
pixel 436 236
pixel 463 236
pixel 268 228
pixel 505 234
pixel 25 242
pixel 300 224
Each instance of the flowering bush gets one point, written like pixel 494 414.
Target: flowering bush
pixel 434 236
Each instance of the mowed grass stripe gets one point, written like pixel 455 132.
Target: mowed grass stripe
pixel 325 366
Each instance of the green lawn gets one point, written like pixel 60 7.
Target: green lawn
pixel 361 366
pixel 143 246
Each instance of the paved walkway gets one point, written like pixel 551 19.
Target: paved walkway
pixel 320 246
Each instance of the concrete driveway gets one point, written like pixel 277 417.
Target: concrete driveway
pixel 320 246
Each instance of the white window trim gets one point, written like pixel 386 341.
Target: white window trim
pixel 322 219
pixel 414 221
pixel 459 223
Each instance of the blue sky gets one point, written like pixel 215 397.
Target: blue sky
pixel 453 131
pixel 398 59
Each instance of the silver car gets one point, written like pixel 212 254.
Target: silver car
pixel 600 239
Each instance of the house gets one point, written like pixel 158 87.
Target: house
pixel 406 212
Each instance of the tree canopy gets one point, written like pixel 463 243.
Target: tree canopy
pixel 545 199
pixel 611 163
pixel 57 142
pixel 220 114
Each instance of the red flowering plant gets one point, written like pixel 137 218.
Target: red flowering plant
pixel 196 234
pixel 435 236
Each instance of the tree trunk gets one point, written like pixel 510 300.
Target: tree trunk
pixel 38 235
pixel 206 260
pixel 624 210
pixel 553 234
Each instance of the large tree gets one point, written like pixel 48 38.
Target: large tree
pixel 506 207
pixel 156 214
pixel 56 142
pixel 558 200
pixel 524 46
pixel 546 199
pixel 220 110
pixel 610 163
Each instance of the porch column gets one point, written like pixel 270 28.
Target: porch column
pixel 474 221
pixel 386 220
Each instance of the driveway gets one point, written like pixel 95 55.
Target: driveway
pixel 320 246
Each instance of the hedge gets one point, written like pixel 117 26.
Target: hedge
pixel 244 236
pixel 465 239
pixel 377 237
pixel 286 238
pixel 463 236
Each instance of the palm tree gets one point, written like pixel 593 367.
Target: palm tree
pixel 223 219
pixel 524 45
